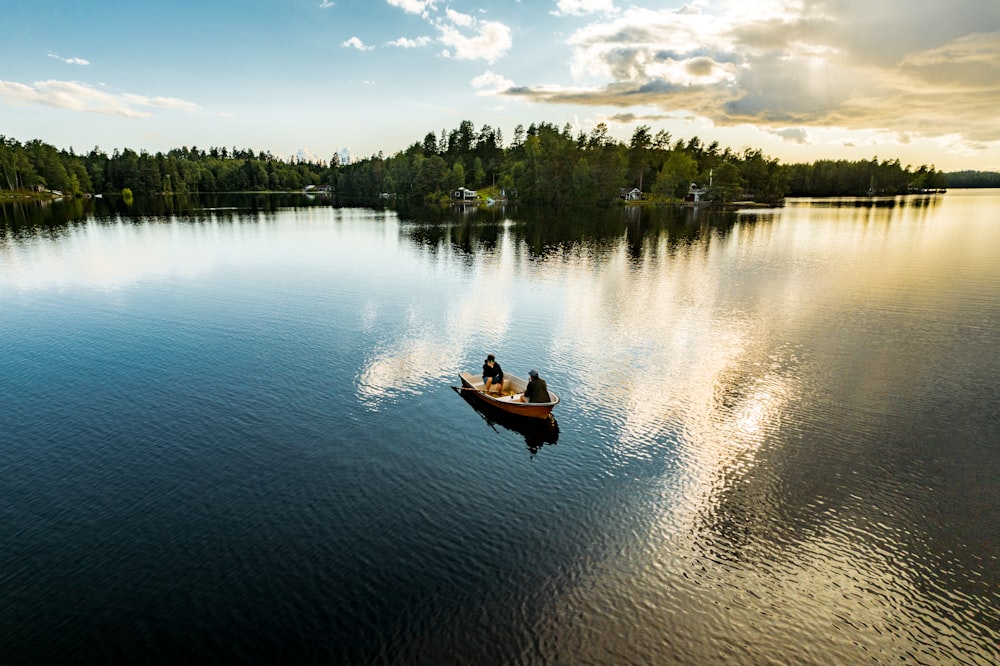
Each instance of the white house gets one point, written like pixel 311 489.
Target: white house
pixel 695 193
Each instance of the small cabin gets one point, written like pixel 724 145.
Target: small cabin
pixel 695 194
pixel 634 194
pixel 463 194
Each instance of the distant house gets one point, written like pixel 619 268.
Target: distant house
pixel 463 194
pixel 695 194
pixel 634 194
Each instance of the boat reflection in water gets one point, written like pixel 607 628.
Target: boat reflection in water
pixel 536 432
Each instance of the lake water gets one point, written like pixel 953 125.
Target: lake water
pixel 228 434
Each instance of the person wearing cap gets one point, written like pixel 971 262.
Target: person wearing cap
pixel 536 390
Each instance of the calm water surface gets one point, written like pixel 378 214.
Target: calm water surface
pixel 228 434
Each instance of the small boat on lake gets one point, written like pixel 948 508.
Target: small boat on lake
pixel 536 432
pixel 509 398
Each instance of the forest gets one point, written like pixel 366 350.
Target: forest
pixel 541 164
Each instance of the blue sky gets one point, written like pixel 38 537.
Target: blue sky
pixel 800 79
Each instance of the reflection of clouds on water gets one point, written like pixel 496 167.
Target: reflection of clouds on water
pixel 120 254
pixel 402 369
pixel 718 360
pixel 646 335
pixel 421 354
pixel 101 254
pixel 87 255
pixel 699 359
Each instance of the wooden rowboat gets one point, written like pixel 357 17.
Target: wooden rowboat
pixel 509 398
pixel 536 432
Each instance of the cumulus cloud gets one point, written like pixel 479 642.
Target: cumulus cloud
pixel 355 43
pixel 489 41
pixel 413 6
pixel 75 96
pixel 464 36
pixel 405 43
pixel 459 19
pixel 491 83
pixel 923 67
pixel 306 155
pixel 70 61
pixel 580 7
pixel 326 4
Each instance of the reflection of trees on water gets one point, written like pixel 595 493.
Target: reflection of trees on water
pixel 197 207
pixel 16 216
pixel 911 201
pixel 545 232
pixel 466 229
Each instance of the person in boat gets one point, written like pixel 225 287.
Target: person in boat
pixel 492 375
pixel 536 390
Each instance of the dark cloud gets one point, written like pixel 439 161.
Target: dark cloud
pixel 626 118
pixel 793 134
pixel 700 66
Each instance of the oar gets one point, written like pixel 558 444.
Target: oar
pixel 466 388
pixel 470 388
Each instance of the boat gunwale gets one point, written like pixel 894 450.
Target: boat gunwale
pixel 530 409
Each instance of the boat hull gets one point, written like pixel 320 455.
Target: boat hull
pixel 510 404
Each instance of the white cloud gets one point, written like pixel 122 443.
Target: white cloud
pixel 413 6
pixel 306 155
pixel 171 103
pixel 459 19
pixel 326 4
pixel 355 43
pixel 490 83
pixel 405 43
pixel 75 96
pixel 465 36
pixel 70 61
pixel 492 40
pixel 581 7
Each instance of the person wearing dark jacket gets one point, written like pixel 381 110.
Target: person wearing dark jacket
pixel 492 374
pixel 536 390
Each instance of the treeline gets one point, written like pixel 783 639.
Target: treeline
pixel 827 178
pixel 973 179
pixel 37 165
pixel 549 165
pixel 540 164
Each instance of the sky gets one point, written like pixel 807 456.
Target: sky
pixel 801 80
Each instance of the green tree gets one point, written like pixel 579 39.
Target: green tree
pixel 584 183
pixel 457 179
pixel 638 155
pixel 675 177
pixel 726 183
